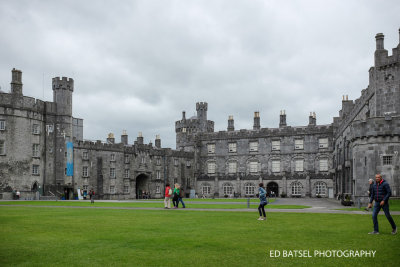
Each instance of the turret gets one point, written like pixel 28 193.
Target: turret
pixel 62 95
pixel 202 108
pixel 16 82
pixel 256 125
pixel 282 119
pixel 231 122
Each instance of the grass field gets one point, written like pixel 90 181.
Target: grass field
pixel 102 237
pixel 394 205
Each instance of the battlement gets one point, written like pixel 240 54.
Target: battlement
pixel 63 83
pixel 201 106
pixel 382 59
pixel 26 103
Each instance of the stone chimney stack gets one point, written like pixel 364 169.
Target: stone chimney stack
pixel 158 141
pixel 140 139
pixel 256 125
pixel 312 119
pixel 16 82
pixel 124 138
pixel 282 119
pixel 110 138
pixel 231 124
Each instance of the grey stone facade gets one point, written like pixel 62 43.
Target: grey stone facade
pixel 297 161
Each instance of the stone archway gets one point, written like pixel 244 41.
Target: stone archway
pixel 142 185
pixel 272 189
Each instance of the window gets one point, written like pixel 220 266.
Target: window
pixel 143 160
pixel 158 189
pixel 211 148
pixel 249 189
pixel 183 130
pixel 35 129
pixel 206 189
pixel 158 161
pixel 85 155
pixel 112 189
pixel 126 189
pixel 2 148
pixel 276 166
pixel 188 163
pixel 211 167
pixel 296 188
pixel 228 189
pixel 35 150
pixel 253 146
pixel 176 162
pixel 126 158
pixel 232 147
pixel 387 160
pixel 158 174
pixel 323 143
pixel 253 166
pixel 112 157
pixel 299 165
pixel 35 169
pixel 298 144
pixel 320 188
pixel 112 172
pixel 276 145
pixel 323 165
pixel 187 182
pixel 85 171
pixel 2 125
pixel 49 128
pixel 126 173
pixel 85 187
pixel 232 167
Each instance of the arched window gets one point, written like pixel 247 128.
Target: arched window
pixel 249 189
pixel 320 188
pixel 296 188
pixel 228 189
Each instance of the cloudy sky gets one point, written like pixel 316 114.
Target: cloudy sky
pixel 138 64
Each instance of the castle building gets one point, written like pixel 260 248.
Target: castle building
pixel 42 151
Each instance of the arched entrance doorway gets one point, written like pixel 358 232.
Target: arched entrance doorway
pixel 272 189
pixel 142 185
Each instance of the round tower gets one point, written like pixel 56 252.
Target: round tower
pixel 62 95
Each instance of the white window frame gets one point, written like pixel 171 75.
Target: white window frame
pixel 206 189
pixel 323 142
pixel 298 144
pixel 323 165
pixel 49 128
pixel 35 150
pixel 126 158
pixel 35 128
pixel 158 174
pixel 143 160
pixel 296 188
pixel 158 189
pixel 211 166
pixel 85 155
pixel 232 147
pixel 126 173
pixel 276 165
pixel 176 162
pixel 249 189
pixel 85 171
pixel 253 166
pixel 158 161
pixel 276 145
pixel 112 173
pixel 299 165
pixel 112 157
pixel 126 189
pixel 188 163
pixel 320 188
pixel 228 189
pixel 2 125
pixel 253 146
pixel 210 148
pixel 232 167
pixel 35 169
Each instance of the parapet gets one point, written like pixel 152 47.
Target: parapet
pixel 63 83
pixel 201 106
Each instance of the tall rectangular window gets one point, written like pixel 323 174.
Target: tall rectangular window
pixel 126 173
pixel 276 145
pixel 176 162
pixel 158 189
pixel 126 189
pixel 126 158
pixel 35 129
pixel 2 148
pixel 188 163
pixel 85 171
pixel 35 150
pixel 158 161
pixel 112 189
pixel 85 155
pixel 323 165
pixel 253 166
pixel 253 146
pixel 211 167
pixel 112 172
pixel 206 189
pixel 158 174
pixel 276 166
pixel 143 160
pixel 112 157
pixel 323 142
pixel 35 169
pixel 2 125
pixel 232 147
pixel 299 165
pixel 298 144
pixel 232 167
pixel 211 148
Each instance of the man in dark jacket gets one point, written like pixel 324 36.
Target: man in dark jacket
pixel 381 193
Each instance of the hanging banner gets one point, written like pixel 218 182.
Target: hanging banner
pixel 70 159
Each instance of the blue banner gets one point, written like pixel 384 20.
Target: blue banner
pixel 70 159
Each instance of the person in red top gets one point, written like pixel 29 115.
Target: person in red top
pixel 167 199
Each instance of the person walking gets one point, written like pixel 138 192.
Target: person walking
pixel 175 199
pixel 181 195
pixel 167 199
pixel 381 193
pixel 262 194
pixel 371 185
pixel 92 198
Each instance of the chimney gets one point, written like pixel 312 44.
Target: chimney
pixel 256 125
pixel 158 141
pixel 312 120
pixel 16 82
pixel 124 138
pixel 231 122
pixel 140 139
pixel 282 119
pixel 183 115
pixel 110 138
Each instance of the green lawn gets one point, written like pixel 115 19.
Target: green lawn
pixel 394 205
pixel 103 237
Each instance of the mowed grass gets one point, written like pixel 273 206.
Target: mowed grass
pixel 394 205
pixel 103 237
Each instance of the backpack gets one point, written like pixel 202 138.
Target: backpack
pixel 170 191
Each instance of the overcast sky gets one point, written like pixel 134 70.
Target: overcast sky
pixel 138 64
